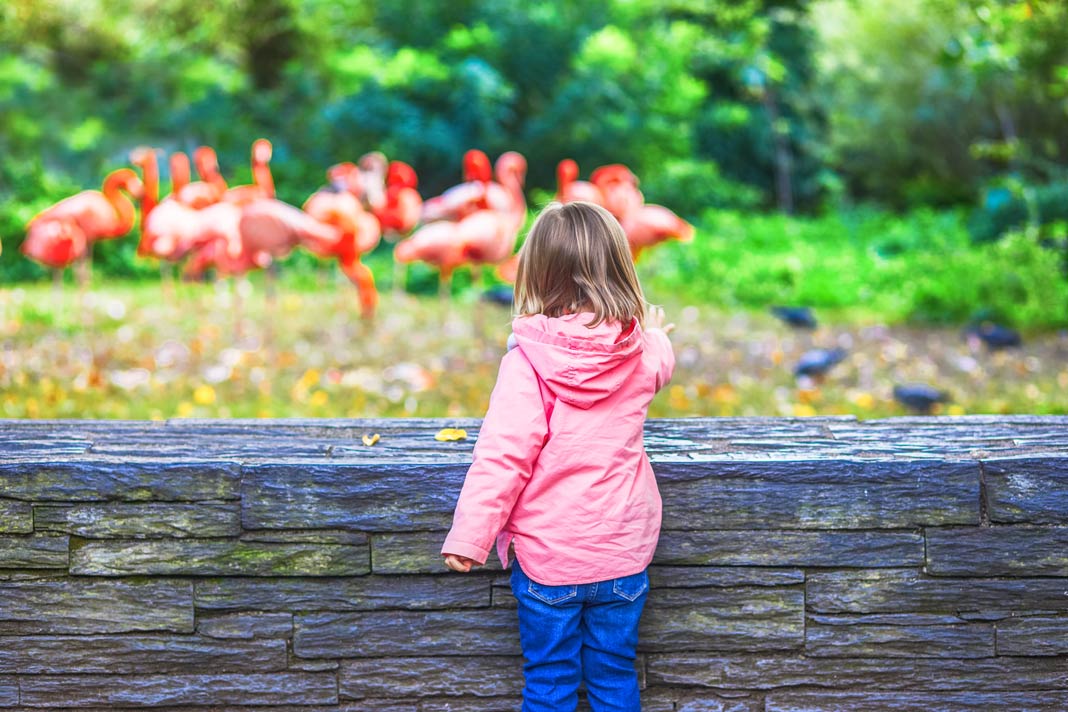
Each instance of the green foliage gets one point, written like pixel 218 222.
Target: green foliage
pixel 920 267
pixel 1007 208
pixel 718 106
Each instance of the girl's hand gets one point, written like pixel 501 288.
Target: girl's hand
pixel 654 317
pixel 459 563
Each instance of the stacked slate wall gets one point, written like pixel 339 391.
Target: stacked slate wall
pixel 805 564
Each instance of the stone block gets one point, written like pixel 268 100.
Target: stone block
pixel 187 689
pixel 1028 489
pixel 76 605
pixel 916 701
pixel 15 517
pixel 35 551
pixel 414 553
pixel 818 493
pixel 897 635
pixel 475 676
pixel 138 653
pixel 790 548
pixel 1033 635
pixel 130 479
pixel 753 618
pixel 361 497
pixel 363 593
pixel 722 576
pixel 215 557
pixel 997 551
pixel 137 521
pixel 908 591
pixel 9 692
pixel 246 625
pixel 766 672
pixel 406 633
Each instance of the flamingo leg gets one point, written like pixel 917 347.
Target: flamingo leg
pixel 400 275
pixel 166 276
pixel 83 276
pixel 57 290
pixel 232 287
pixel 271 287
pixel 445 286
pixel 361 276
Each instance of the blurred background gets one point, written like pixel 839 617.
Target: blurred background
pixel 878 190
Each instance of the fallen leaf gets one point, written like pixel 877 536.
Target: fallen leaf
pixel 370 440
pixel 450 434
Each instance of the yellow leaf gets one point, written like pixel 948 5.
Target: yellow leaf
pixel 370 440
pixel 319 398
pixel 204 395
pixel 450 434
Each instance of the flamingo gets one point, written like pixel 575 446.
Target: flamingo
pixel 63 232
pixel 373 169
pixel 477 192
pixel 645 224
pixel 263 181
pixel 359 233
pixel 438 244
pixel 488 236
pixel 619 186
pixel 169 228
pixel 211 186
pixel 649 225
pixel 569 188
pixel 145 159
pixel 401 212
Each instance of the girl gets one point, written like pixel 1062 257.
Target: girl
pixel 560 476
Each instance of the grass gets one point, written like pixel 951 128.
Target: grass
pixel 146 355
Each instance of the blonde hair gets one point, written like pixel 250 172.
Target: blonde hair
pixel 576 258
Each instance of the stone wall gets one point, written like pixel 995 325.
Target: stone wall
pixel 805 564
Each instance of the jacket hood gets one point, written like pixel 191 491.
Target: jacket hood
pixel 581 366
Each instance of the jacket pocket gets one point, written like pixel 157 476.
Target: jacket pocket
pixel 631 587
pixel 551 595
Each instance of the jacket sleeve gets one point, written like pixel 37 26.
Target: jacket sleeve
pixel 509 443
pixel 666 355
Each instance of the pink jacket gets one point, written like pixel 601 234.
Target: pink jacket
pixel 560 468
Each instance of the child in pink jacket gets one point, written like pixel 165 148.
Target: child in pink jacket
pixel 560 474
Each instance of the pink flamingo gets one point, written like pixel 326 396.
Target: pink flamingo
pixel 63 232
pixel 401 213
pixel 263 182
pixel 569 188
pixel 359 233
pixel 649 225
pixel 438 244
pixel 645 224
pixel 211 186
pixel 477 192
pixel 619 186
pixel 489 235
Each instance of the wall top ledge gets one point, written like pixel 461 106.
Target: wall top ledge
pixel 411 440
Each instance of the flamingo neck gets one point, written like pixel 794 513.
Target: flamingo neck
pixel 566 173
pixel 261 176
pixel 124 207
pixel 150 180
pixel 509 177
pixel 179 171
pixel 208 170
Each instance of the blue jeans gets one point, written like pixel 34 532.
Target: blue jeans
pixel 586 632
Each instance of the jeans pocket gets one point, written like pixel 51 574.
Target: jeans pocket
pixel 631 587
pixel 551 595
